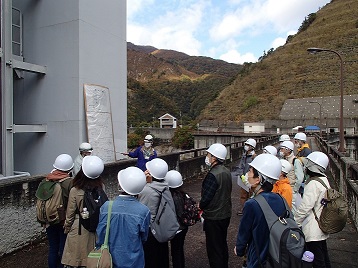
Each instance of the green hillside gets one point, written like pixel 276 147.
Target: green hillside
pixel 260 89
pixel 167 81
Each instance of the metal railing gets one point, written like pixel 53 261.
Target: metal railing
pixel 344 171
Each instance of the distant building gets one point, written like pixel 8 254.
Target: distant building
pixel 323 112
pixel 254 127
pixel 168 121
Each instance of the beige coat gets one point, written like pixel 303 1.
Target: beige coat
pixel 77 246
pixel 312 196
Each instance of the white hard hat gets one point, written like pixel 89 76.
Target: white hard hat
pixel 267 165
pixel 270 149
pixel 286 166
pixel 284 137
pixel 148 138
pixel 157 167
pixel 319 158
pixel 131 180
pixel 85 146
pixel 174 179
pixel 63 162
pixel 288 145
pixel 300 136
pixel 251 142
pixel 218 150
pixel 92 166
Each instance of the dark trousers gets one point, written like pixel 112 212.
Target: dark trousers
pixel 177 249
pixel 56 240
pixel 156 255
pixel 320 251
pixel 216 243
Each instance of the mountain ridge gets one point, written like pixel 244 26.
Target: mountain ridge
pixel 198 88
pixel 173 81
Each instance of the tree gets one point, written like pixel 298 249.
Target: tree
pixel 183 138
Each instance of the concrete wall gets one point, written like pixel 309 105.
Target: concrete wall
pixel 165 134
pixel 81 41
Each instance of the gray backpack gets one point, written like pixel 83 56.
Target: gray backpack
pixel 335 211
pixel 287 241
pixel 165 223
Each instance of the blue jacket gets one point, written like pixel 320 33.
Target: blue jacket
pixel 253 228
pixel 128 231
pixel 142 160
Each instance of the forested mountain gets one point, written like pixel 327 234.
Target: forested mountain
pixel 196 88
pixel 167 81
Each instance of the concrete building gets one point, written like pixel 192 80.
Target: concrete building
pixel 321 111
pixel 167 121
pixel 255 127
pixel 50 51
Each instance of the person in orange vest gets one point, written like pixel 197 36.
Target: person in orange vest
pixel 282 186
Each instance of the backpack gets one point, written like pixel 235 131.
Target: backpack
pixel 287 241
pixel 165 223
pixel 335 211
pixel 191 213
pixel 93 199
pixel 50 205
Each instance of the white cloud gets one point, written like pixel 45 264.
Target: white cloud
pixel 255 17
pixel 280 41
pixel 133 6
pixel 286 15
pixel 171 30
pixel 216 27
pixel 234 56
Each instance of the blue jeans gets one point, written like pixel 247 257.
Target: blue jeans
pixel 56 239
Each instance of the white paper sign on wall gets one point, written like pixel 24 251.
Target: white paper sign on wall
pixel 99 121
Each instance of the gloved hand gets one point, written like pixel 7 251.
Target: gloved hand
pixel 243 178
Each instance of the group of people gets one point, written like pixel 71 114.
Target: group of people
pixel 281 171
pixel 70 244
pixel 131 241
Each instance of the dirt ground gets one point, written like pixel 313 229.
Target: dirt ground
pixel 35 256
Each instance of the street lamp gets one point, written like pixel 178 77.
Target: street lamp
pixel 341 130
pixel 320 116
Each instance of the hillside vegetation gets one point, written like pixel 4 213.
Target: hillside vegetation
pixel 167 81
pixel 198 88
pixel 290 72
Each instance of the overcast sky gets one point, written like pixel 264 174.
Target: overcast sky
pixel 236 31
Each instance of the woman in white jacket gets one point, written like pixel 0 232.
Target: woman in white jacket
pixel 315 165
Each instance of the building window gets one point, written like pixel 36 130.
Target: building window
pixel 16 32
